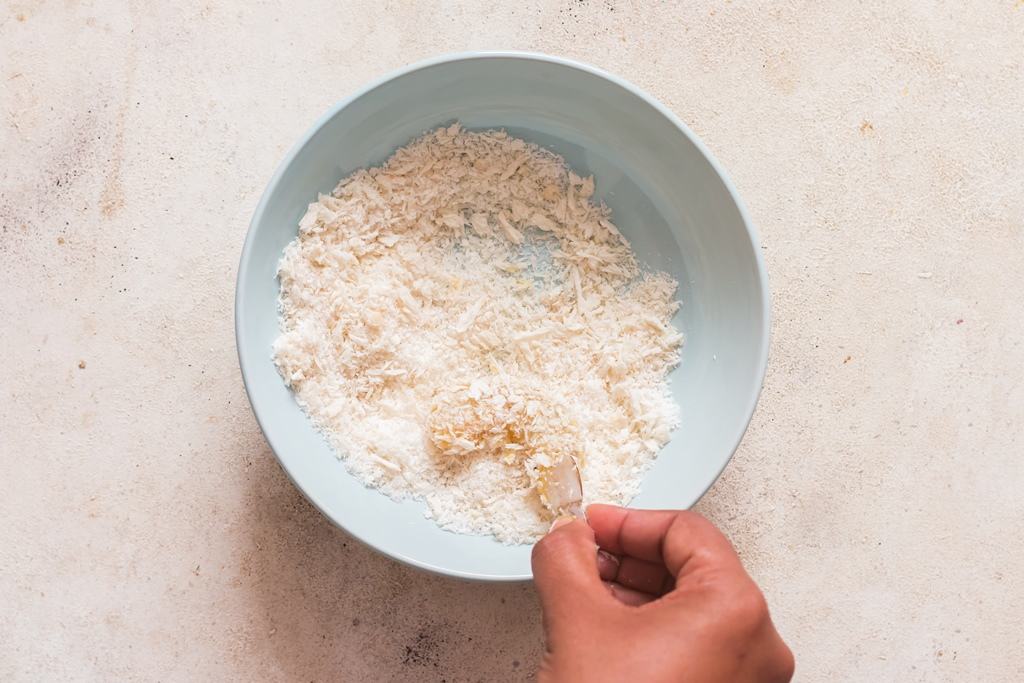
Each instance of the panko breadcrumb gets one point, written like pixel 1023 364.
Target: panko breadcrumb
pixel 459 318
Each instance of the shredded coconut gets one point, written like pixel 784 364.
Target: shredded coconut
pixel 461 317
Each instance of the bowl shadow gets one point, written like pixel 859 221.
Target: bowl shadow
pixel 332 608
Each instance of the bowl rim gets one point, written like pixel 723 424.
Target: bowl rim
pixel 289 158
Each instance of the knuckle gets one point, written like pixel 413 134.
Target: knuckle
pixel 786 665
pixel 697 525
pixel 695 520
pixel 691 516
pixel 749 608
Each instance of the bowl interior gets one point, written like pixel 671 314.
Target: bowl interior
pixel 669 201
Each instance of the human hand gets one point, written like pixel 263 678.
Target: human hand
pixel 665 599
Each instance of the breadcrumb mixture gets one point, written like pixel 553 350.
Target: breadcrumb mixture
pixel 458 319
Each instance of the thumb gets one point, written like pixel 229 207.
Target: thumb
pixel 566 575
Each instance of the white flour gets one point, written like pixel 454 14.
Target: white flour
pixel 461 316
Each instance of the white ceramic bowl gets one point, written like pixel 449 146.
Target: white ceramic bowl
pixel 670 199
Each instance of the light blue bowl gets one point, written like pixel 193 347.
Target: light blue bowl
pixel 670 199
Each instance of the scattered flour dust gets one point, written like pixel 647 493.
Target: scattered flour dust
pixel 458 319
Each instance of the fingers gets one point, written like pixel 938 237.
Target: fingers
pixel 646 577
pixel 671 538
pixel 607 565
pixel 628 596
pixel 565 571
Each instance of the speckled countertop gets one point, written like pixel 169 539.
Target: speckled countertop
pixel 148 533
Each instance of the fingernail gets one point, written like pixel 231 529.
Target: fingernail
pixel 607 565
pixel 561 521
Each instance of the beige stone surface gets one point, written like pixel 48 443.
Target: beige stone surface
pixel 147 532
